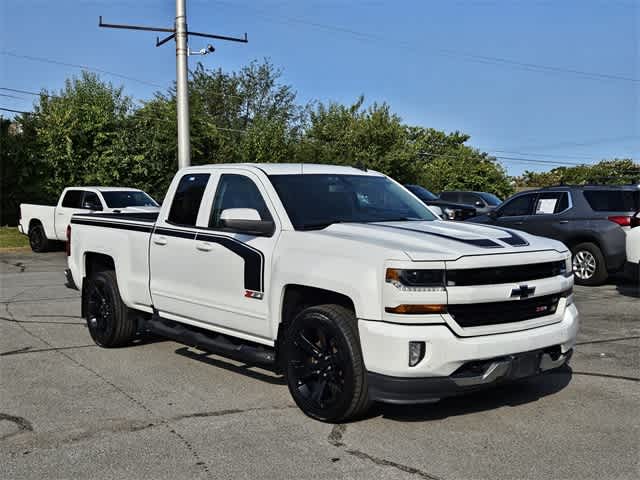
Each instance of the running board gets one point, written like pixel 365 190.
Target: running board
pixel 213 343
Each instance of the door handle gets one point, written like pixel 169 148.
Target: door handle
pixel 160 240
pixel 60 213
pixel 518 223
pixel 564 221
pixel 204 246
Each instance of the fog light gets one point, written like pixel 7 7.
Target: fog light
pixel 416 353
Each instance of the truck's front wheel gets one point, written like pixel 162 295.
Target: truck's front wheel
pixel 324 367
pixel 109 320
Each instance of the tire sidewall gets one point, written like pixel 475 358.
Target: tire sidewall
pixel 600 274
pixel 105 338
pixel 317 318
pixel 37 239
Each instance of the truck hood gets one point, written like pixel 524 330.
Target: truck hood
pixel 441 240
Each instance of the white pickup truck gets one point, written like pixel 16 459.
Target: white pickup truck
pixel 45 224
pixel 338 277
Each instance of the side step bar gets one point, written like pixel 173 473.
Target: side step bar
pixel 212 342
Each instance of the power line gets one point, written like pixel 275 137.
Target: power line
pixel 15 111
pixel 82 67
pixel 486 59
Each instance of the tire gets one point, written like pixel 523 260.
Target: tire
pixel 38 239
pixel 323 364
pixel 110 321
pixel 589 266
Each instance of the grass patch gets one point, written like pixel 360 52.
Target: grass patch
pixel 10 237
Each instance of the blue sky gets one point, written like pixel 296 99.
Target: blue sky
pixel 437 63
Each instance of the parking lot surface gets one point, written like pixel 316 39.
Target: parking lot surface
pixel 157 410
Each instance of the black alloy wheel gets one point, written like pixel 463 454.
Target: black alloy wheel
pixel 38 239
pixel 324 367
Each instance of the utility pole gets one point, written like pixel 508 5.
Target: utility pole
pixel 180 33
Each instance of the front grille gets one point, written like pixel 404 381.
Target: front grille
pixel 496 313
pixel 509 274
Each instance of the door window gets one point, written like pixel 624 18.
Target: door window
pixel 237 191
pixel 518 206
pixel 449 196
pixel 551 202
pixel 470 199
pixel 72 199
pixel 187 199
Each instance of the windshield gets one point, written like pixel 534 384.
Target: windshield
pixel 421 192
pixel 490 198
pixel 124 199
pixel 318 200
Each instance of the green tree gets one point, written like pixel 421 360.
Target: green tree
pixel 616 171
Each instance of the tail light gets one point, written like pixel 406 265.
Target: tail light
pixel 68 240
pixel 620 220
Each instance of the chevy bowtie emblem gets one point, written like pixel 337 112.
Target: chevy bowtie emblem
pixel 523 291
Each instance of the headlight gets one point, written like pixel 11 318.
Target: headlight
pixel 568 267
pixel 416 280
pixel 449 213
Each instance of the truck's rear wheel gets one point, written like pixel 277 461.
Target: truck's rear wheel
pixel 110 321
pixel 38 239
pixel 324 367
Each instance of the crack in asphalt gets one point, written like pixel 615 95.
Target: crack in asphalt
pixel 123 392
pixel 10 320
pixel 335 439
pixel 41 350
pixel 22 423
pixel 619 339
pixel 606 375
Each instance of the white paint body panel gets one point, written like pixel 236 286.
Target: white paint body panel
pixel 205 288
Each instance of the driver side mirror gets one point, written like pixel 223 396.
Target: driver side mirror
pixel 493 214
pixel 247 221
pixel 478 203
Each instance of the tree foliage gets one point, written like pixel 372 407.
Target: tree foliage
pixel 92 133
pixel 616 171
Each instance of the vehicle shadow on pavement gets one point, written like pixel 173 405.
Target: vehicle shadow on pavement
pixel 628 289
pixel 246 369
pixel 508 395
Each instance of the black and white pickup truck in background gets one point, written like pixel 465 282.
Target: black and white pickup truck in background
pixel 339 277
pixel 45 224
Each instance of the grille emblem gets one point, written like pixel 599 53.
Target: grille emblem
pixel 523 291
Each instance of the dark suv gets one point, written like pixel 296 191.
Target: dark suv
pixel 482 201
pixel 590 219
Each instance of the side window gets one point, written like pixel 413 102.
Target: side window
pixel 237 191
pixel 186 200
pixel 72 199
pixel 469 198
pixel 91 201
pixel 518 206
pixel 449 196
pixel 551 202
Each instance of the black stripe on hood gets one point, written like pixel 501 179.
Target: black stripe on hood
pixel 476 242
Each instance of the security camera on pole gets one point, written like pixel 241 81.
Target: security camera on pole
pixel 180 33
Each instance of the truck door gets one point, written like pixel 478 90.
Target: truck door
pixel 70 203
pixel 207 274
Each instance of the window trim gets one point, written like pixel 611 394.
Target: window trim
pixel 263 194
pixel 173 198
pixel 569 202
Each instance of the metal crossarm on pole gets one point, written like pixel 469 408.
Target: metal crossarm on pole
pixel 180 33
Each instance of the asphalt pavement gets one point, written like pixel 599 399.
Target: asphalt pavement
pixel 160 410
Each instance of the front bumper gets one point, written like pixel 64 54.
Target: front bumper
pixel 386 357
pixel 470 377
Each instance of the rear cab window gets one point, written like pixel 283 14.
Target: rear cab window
pixel 613 200
pixel 187 199
pixel 72 199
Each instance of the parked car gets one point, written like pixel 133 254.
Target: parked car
pixel 46 224
pixel 482 201
pixel 446 210
pixel 590 219
pixel 323 276
pixel 633 248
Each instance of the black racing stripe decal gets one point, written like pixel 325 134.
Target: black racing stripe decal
pixel 253 259
pixel 476 242
pixel 169 232
pixel 120 226
pixel 513 239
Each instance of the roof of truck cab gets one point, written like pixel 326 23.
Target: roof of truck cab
pixel 105 189
pixel 289 168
